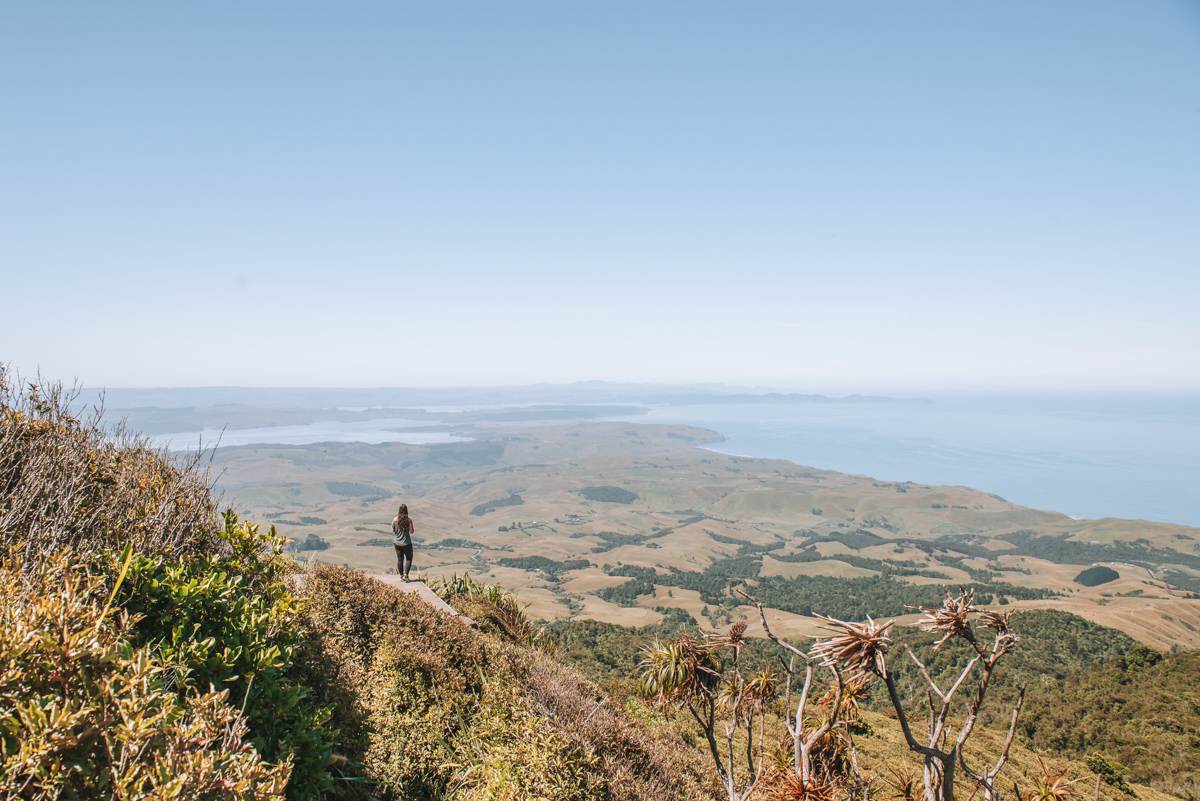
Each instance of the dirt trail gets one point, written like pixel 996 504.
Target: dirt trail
pixel 425 593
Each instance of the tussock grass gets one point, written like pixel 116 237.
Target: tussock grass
pixel 67 482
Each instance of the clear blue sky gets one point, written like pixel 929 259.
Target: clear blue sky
pixel 831 196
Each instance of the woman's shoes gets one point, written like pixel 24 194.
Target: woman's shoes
pixel 405 579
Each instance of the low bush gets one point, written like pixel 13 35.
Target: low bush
pixel 229 620
pixel 510 754
pixel 641 761
pixel 87 713
pixel 492 607
pixel 365 642
pixel 413 720
pixel 431 709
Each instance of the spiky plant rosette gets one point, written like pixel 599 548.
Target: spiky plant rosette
pixel 761 688
pixel 679 670
pixel 1053 785
pixel 786 785
pixel 999 622
pixel 902 784
pixel 747 694
pixel 857 648
pixel 735 638
pixel 856 691
pixel 952 618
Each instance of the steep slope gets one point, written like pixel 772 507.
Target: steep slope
pixel 1091 690
pixel 430 708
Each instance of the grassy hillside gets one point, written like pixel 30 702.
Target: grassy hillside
pixel 429 708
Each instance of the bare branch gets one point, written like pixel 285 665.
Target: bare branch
pixel 902 716
pixel 762 616
pixel 925 672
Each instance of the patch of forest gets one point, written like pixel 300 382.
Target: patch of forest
pixel 613 539
pixel 1096 575
pixel 354 489
pixel 552 568
pixel 1141 711
pixel 846 598
pixel 609 494
pixel 479 510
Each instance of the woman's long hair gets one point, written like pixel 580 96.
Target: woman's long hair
pixel 402 515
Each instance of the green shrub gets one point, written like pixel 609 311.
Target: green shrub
pixel 431 709
pixel 228 620
pixel 492 607
pixel 413 720
pixel 363 637
pixel 1109 772
pixel 86 713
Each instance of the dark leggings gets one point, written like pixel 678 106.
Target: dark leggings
pixel 403 552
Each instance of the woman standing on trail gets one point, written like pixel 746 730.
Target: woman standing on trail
pixel 402 527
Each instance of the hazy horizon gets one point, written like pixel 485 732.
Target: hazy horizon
pixel 621 389
pixel 1129 455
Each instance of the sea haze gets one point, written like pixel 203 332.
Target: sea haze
pixel 1088 455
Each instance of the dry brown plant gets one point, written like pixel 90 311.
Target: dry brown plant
pixel 67 480
pixel 943 751
pixel 857 653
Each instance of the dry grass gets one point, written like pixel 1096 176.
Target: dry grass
pixel 65 481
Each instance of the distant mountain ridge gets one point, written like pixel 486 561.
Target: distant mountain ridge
pixel 420 397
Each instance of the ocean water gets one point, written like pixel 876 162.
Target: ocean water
pixel 1128 456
